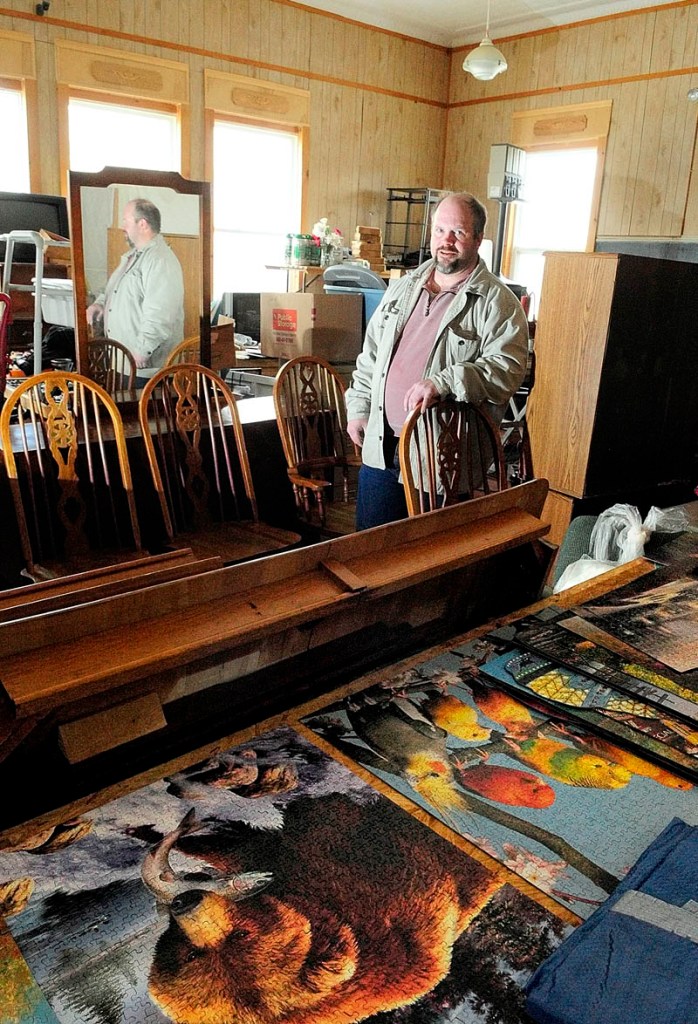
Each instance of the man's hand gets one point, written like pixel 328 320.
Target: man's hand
pixel 94 310
pixel 423 393
pixel 141 361
pixel 356 430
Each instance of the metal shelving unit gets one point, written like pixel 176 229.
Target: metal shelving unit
pixel 407 222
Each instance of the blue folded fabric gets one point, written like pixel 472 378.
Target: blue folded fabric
pixel 635 960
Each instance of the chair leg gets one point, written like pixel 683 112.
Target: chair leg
pixel 322 512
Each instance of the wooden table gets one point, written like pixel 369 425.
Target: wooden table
pixel 252 641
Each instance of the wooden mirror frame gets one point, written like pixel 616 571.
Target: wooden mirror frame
pixel 77 180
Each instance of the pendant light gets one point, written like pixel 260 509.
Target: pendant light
pixel 485 62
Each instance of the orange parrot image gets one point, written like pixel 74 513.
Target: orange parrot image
pixel 397 736
pixel 455 717
pixel 508 712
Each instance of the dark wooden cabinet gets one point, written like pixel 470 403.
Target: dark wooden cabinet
pixel 614 410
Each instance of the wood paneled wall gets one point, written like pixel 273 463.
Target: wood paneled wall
pixel 645 63
pixel 387 110
pixel 378 101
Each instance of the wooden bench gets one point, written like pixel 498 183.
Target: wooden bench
pixel 172 638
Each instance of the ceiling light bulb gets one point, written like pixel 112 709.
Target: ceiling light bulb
pixel 485 62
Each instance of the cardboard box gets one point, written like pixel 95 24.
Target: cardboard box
pixel 223 344
pixel 308 324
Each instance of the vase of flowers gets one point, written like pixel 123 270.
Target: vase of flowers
pixel 329 241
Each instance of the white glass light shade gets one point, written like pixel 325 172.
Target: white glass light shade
pixel 485 62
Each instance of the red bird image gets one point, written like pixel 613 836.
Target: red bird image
pixel 507 785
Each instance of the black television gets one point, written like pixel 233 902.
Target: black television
pixel 30 211
pixel 243 307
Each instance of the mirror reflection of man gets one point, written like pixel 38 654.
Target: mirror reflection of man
pixel 143 303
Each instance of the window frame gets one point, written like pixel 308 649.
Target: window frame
pixel 125 79
pixel 258 103
pixel 67 93
pixel 17 71
pixel 574 126
pixel 300 131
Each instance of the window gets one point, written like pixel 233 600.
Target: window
pixel 120 109
pixel 557 212
pixel 105 134
pixel 565 151
pixel 14 166
pixel 256 203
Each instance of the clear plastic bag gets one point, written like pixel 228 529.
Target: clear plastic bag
pixel 618 536
pixel 585 568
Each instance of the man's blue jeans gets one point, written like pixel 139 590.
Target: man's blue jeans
pixel 380 497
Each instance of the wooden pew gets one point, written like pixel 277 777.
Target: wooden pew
pixel 87 663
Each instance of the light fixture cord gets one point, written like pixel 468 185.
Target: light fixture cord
pixel 487 27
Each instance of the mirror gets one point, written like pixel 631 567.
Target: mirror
pixel 97 202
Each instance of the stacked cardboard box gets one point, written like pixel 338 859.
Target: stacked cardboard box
pixel 367 244
pixel 302 323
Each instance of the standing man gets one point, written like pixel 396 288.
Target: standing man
pixel 143 303
pixel 450 327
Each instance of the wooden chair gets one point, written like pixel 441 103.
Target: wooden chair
pixel 186 352
pixel 321 459
pixel 68 470
pixel 514 431
pixel 198 459
pixel 5 321
pixel 449 452
pixel 112 365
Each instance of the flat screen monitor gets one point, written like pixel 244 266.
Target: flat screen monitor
pixel 29 211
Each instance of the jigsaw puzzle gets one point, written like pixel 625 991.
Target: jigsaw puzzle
pixel 661 622
pixel 268 883
pixel 565 809
pixel 578 643
pixel 574 698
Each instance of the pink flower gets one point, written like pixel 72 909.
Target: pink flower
pixel 541 872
